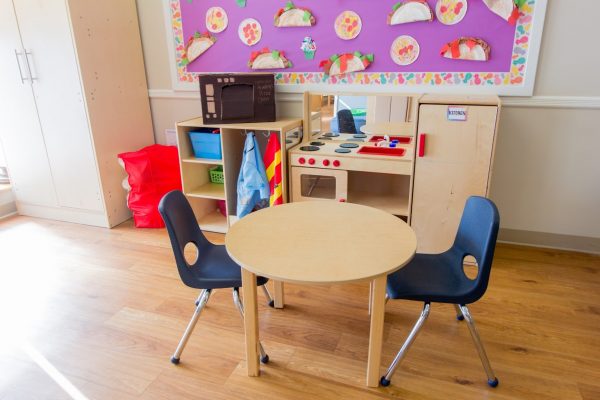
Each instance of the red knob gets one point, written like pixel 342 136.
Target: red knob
pixel 301 160
pixel 326 163
pixel 311 161
pixel 342 200
pixel 336 163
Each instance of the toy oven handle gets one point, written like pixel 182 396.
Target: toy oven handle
pixel 422 141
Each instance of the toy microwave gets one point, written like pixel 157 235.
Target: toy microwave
pixel 237 98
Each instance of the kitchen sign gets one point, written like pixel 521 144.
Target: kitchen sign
pixel 457 113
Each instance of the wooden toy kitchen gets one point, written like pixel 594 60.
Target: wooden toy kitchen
pixel 417 157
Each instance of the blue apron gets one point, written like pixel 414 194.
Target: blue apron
pixel 253 186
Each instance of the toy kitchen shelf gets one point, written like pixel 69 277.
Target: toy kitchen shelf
pixel 205 195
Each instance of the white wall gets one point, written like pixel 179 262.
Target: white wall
pixel 547 169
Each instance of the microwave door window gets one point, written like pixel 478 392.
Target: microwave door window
pixel 237 102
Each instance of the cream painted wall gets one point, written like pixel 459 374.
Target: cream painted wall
pixel 547 171
pixel 546 174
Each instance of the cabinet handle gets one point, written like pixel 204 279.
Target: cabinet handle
pixel 29 64
pixel 17 54
pixel 422 141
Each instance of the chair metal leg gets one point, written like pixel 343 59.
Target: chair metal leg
pixel 270 300
pixel 387 298
pixel 459 315
pixel 199 297
pixel 386 379
pixel 492 380
pixel 264 357
pixel 202 300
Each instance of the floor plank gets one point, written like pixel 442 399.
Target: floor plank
pixel 106 308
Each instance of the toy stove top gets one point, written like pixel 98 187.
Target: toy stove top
pixel 353 153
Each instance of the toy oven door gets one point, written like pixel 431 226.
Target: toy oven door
pixel 319 184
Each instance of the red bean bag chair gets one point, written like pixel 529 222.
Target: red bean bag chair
pixel 153 171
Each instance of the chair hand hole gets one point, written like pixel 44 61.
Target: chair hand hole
pixel 190 253
pixel 470 267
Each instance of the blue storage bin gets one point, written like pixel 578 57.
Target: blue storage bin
pixel 206 144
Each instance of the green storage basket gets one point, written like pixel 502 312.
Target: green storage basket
pixel 216 174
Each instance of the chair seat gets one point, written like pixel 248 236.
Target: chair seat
pixel 216 270
pixel 432 278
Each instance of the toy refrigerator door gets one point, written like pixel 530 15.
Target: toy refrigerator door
pixel 319 184
pixel 454 154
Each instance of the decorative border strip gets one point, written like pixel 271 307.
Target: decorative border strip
pixel 514 78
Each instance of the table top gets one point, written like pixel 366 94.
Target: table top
pixel 321 242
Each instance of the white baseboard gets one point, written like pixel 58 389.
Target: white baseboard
pixel 64 214
pixel 8 210
pixel 581 244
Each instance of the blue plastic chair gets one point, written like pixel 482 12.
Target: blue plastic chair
pixel 439 278
pixel 213 268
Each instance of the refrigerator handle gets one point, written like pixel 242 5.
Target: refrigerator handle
pixel 422 142
pixel 17 55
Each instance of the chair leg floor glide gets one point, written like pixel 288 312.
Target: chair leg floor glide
pixel 264 357
pixel 270 300
pixel 492 379
pixel 201 302
pixel 386 379
pixel 459 314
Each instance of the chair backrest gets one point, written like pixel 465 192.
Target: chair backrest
pixel 346 121
pixel 183 229
pixel 476 236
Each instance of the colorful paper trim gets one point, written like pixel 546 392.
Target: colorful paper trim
pixel 515 77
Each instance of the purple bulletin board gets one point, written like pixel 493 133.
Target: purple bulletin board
pixel 509 70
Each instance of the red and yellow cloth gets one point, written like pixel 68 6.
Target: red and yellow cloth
pixel 272 162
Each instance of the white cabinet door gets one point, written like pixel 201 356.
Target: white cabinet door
pixel 453 162
pixel 46 35
pixel 20 131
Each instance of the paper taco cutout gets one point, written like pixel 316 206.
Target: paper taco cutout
pixel 197 45
pixel 467 48
pixel 292 16
pixel 267 59
pixel 340 64
pixel 408 11
pixel 507 9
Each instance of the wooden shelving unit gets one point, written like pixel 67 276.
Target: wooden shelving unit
pixel 215 191
pixel 396 205
pixel 194 160
pixel 203 194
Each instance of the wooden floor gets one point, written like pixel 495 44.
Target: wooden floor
pixel 97 313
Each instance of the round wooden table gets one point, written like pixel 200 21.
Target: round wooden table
pixel 320 242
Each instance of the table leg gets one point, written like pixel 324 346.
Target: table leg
pixel 278 297
pixel 376 335
pixel 370 296
pixel 250 322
